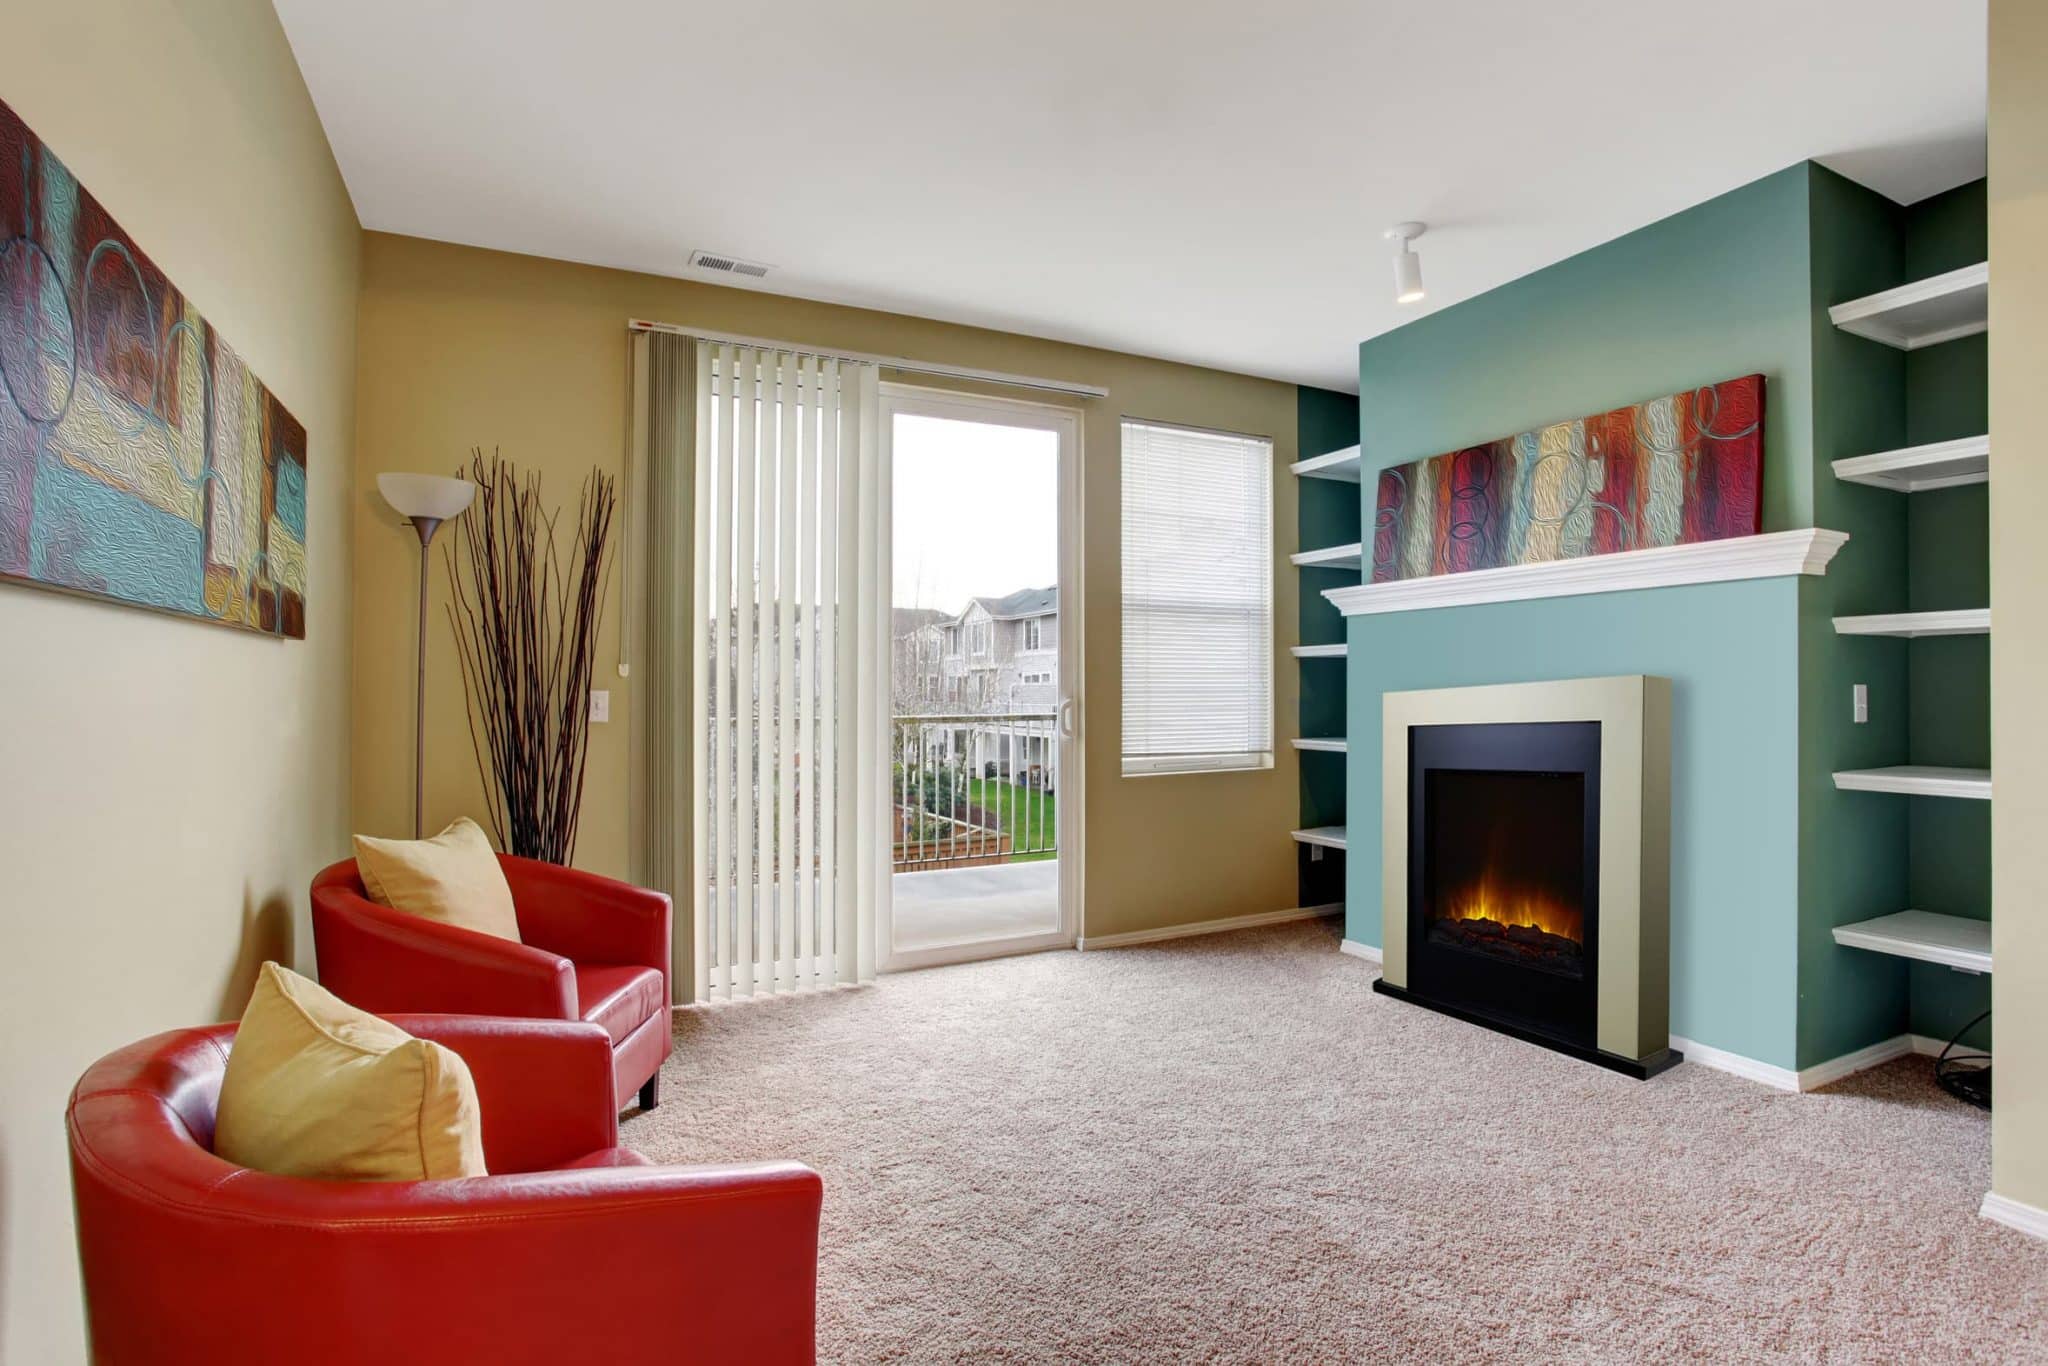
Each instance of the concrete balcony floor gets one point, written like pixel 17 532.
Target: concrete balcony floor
pixel 951 906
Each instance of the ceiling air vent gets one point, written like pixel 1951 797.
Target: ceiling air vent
pixel 731 265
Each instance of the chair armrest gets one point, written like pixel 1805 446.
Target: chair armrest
pixel 544 1086
pixel 383 960
pixel 589 918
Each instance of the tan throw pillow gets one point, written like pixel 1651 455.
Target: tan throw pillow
pixel 317 1088
pixel 453 878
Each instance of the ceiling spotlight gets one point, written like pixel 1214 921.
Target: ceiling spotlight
pixel 1407 265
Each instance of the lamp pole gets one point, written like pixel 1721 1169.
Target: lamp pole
pixel 426 527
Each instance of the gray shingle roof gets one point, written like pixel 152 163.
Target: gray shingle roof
pixel 1025 602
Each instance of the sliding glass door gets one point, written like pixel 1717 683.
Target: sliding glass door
pixel 983 672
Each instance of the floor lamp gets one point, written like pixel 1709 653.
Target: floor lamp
pixel 427 500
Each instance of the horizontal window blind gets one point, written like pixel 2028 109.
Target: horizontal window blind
pixel 1197 600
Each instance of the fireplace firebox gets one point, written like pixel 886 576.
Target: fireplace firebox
pixel 1503 885
pixel 1525 846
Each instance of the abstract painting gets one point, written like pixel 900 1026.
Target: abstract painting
pixel 1667 471
pixel 140 461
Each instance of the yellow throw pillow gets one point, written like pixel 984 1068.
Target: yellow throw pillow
pixel 453 878
pixel 317 1088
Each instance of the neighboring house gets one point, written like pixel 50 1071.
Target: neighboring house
pixel 998 657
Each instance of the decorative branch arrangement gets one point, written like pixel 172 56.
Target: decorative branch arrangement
pixel 526 632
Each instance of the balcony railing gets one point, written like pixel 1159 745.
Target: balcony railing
pixel 973 789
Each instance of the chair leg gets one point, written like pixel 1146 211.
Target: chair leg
pixel 650 1094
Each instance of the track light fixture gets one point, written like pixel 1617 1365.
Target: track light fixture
pixel 1407 265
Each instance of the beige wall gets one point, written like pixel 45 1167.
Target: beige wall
pixel 166 786
pixel 2019 567
pixel 460 347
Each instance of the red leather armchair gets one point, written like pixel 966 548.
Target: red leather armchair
pixel 594 949
pixel 573 1249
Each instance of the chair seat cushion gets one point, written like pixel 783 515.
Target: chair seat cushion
pixel 620 997
pixel 606 1157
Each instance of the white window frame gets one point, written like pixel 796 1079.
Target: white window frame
pixel 1161 765
pixel 1071 726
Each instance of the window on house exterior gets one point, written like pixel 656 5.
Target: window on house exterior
pixel 1032 639
pixel 1197 600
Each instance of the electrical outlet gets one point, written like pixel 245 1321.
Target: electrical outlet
pixel 1859 701
pixel 600 706
pixel 1315 853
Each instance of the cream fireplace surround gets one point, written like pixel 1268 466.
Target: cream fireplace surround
pixel 1632 980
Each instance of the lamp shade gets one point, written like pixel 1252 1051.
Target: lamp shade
pixel 437 496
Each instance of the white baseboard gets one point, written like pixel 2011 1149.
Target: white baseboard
pixel 1807 1078
pixel 1834 1069
pixel 1721 1060
pixel 1358 950
pixel 1235 922
pixel 2027 1219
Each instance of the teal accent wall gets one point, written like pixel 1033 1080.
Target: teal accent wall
pixel 1767 856
pixel 1328 513
pixel 1717 291
pixel 1948 556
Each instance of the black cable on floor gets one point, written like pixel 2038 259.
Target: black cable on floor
pixel 1967 1075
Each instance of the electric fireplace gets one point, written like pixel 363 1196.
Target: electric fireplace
pixel 1524 876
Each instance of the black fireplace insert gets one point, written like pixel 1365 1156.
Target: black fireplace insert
pixel 1504 875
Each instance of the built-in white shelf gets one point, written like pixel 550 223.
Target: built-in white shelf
pixel 1774 554
pixel 1332 557
pixel 1343 465
pixel 1972 621
pixel 1949 940
pixel 1328 836
pixel 1323 744
pixel 1916 469
pixel 1319 651
pixel 1923 313
pixel 1918 780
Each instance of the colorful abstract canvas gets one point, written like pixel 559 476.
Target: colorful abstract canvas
pixel 1687 467
pixel 140 461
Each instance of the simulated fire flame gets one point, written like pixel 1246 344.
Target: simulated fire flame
pixel 1495 898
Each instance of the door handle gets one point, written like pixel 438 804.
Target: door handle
pixel 1070 715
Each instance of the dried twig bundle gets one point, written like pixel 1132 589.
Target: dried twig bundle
pixel 526 634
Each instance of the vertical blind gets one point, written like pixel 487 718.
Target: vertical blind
pixel 787 660
pixel 1197 600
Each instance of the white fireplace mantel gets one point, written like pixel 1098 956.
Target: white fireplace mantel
pixel 1773 555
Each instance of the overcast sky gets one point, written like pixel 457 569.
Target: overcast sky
pixel 977 511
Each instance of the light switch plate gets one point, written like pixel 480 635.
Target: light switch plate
pixel 1859 700
pixel 600 706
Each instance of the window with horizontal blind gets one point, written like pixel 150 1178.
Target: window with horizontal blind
pixel 1197 600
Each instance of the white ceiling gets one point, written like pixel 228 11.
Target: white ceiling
pixel 1204 180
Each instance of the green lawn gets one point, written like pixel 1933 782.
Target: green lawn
pixel 1028 814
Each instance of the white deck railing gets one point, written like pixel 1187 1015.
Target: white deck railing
pixel 973 788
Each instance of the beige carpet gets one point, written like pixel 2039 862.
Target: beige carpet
pixel 1229 1149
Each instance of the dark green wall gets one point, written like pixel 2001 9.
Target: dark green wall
pixel 1852 845
pixel 1947 396
pixel 1328 512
